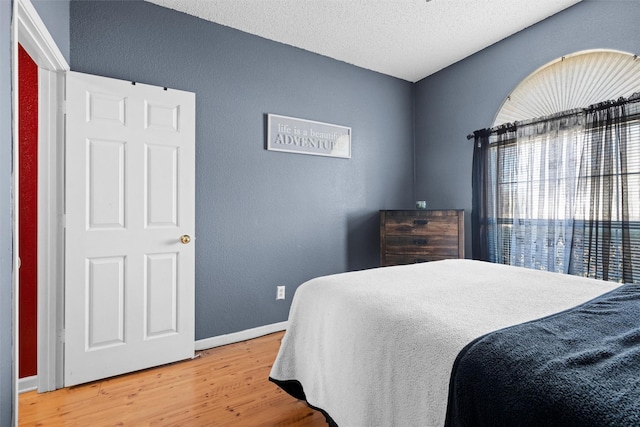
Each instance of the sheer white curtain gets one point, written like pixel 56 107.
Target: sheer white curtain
pixel 539 189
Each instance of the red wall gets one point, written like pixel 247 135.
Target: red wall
pixel 28 213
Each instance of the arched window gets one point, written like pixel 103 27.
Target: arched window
pixel 573 81
pixel 558 186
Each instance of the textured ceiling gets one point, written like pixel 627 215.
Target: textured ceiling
pixel 408 39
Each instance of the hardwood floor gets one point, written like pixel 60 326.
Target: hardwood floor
pixel 224 386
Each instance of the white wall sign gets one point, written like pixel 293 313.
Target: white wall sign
pixel 301 136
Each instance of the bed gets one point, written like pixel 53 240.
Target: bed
pixel 378 347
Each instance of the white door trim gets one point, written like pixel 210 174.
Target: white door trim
pixel 50 231
pixel 36 39
pixel 32 34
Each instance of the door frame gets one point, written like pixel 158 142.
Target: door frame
pixel 29 30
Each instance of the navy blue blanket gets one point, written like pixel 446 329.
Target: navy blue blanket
pixel 580 367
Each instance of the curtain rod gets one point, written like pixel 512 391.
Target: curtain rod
pixel 509 127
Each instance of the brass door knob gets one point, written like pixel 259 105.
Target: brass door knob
pixel 185 238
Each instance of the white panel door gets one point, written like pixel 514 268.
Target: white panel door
pixel 129 254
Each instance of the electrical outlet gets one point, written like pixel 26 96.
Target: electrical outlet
pixel 280 292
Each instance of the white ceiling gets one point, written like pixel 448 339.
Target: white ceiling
pixel 407 39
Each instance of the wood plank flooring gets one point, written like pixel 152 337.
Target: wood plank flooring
pixel 224 386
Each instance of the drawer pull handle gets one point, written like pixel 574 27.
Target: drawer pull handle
pixel 420 241
pixel 420 222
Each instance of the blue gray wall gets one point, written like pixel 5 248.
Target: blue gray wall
pixel 263 218
pixel 467 95
pixel 6 246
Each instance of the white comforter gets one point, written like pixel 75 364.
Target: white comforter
pixel 376 347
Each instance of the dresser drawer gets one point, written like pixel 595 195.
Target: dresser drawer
pixel 432 244
pixel 420 226
pixel 395 259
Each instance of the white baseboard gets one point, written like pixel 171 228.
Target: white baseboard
pixel 27 384
pixel 235 337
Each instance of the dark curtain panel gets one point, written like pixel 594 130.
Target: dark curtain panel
pixel 606 241
pixel 480 204
pixel 492 154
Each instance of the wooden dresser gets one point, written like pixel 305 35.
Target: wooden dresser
pixel 412 236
